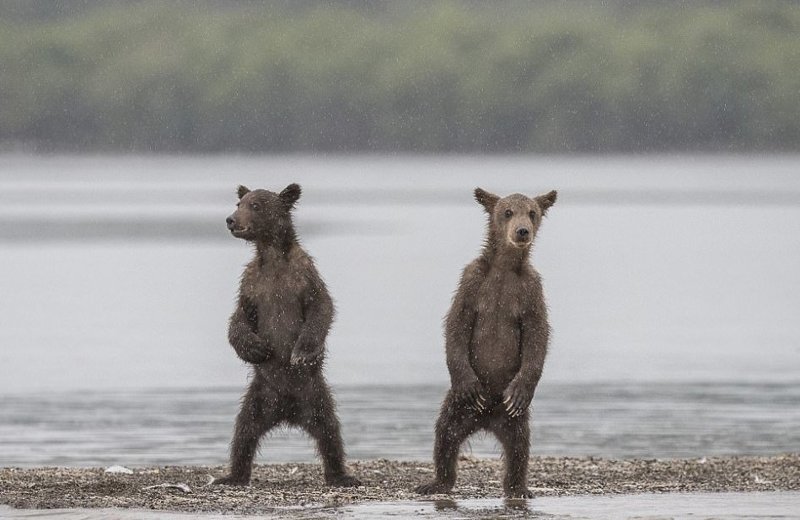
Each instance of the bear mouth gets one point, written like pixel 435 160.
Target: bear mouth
pixel 240 231
pixel 520 244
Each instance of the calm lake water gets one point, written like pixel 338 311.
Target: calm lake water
pixel 193 426
pixel 672 284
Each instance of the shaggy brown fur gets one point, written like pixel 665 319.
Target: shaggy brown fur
pixel 279 325
pixel 496 343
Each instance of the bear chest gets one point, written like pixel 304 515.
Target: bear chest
pixel 275 289
pixel 501 300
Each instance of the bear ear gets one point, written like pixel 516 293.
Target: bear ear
pixel 547 200
pixel 486 199
pixel 290 194
pixel 241 191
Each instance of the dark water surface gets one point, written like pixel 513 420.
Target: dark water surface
pixel 193 426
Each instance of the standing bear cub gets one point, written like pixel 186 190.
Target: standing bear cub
pixel 281 319
pixel 496 342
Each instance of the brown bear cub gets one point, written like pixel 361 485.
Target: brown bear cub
pixel 281 319
pixel 496 336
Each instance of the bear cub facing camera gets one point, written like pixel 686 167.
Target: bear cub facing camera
pixel 282 317
pixel 496 337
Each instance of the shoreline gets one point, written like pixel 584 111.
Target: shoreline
pixel 292 485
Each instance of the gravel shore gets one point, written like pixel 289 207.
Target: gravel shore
pixel 283 485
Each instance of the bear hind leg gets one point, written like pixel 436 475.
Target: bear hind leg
pixel 259 413
pixel 456 422
pixel 514 435
pixel 320 421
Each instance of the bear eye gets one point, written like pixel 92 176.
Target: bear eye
pixel 509 213
pixel 533 215
pixel 255 207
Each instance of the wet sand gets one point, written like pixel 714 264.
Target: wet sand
pixel 292 485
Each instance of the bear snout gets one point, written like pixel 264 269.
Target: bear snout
pixel 522 234
pixel 230 222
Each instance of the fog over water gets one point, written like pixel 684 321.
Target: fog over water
pixel 119 272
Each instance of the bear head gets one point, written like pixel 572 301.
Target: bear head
pixel 262 215
pixel 515 219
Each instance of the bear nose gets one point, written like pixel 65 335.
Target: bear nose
pixel 229 221
pixel 522 233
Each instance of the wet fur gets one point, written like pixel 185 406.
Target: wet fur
pixel 496 337
pixel 282 317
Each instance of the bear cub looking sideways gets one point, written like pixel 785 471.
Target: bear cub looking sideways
pixel 279 326
pixel 496 336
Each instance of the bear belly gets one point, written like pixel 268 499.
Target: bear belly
pixel 280 326
pixel 495 353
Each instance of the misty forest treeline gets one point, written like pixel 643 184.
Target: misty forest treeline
pixel 428 76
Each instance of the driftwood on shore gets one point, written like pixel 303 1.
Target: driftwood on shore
pixel 282 485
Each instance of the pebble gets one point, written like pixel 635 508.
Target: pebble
pixel 283 485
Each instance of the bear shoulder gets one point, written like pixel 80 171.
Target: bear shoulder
pixel 475 271
pixel 531 278
pixel 302 265
pixel 533 293
pixel 472 277
pixel 309 283
pixel 300 259
pixel 249 279
pixel 474 274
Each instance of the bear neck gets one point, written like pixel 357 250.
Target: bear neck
pixel 501 255
pixel 276 248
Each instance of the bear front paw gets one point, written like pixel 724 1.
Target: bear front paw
pixel 517 398
pixel 472 394
pixel 301 358
pixel 254 357
pixel 250 348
